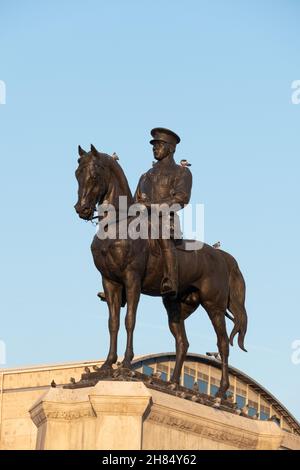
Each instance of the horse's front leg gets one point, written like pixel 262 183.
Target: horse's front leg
pixel 133 292
pixel 177 328
pixel 113 294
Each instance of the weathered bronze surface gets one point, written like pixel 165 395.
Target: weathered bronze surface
pixel 185 279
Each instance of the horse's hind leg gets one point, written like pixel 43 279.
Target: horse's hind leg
pixel 217 317
pixel 113 294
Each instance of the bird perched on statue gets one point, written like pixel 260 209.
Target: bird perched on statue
pixel 172 386
pixel 256 416
pixel 217 245
pixel 184 162
pixel 53 384
pixel 115 156
pixel 230 397
pixel 217 402
pixel 87 370
pixel 216 355
pixel 195 387
pixel 72 380
pixel 156 375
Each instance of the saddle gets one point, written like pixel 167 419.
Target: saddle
pixel 180 244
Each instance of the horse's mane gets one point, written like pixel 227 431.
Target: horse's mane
pixel 109 161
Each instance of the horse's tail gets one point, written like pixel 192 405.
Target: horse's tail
pixel 236 305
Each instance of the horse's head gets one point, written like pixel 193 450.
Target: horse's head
pixel 91 175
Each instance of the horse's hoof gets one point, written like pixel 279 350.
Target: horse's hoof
pixel 221 395
pixel 126 365
pixel 105 367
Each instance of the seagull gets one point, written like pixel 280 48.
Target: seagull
pixel 53 384
pixel 217 245
pixel 216 355
pixel 184 163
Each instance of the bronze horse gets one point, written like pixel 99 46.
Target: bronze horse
pixel 209 277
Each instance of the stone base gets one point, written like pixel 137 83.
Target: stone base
pixel 129 415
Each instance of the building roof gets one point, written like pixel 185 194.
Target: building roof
pixel 276 405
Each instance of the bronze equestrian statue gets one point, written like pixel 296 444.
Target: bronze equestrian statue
pixel 185 279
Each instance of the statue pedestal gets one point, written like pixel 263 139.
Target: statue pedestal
pixel 128 415
pixel 106 416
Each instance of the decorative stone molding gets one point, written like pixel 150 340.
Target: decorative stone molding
pixel 60 411
pixel 212 432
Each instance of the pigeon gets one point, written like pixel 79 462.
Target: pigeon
pixel 238 411
pixel 217 245
pixel 53 384
pixel 230 398
pixel 172 386
pixel 256 416
pixel 87 370
pixel 72 380
pixel 275 420
pixel 195 387
pixel 115 156
pixel 245 410
pixel 156 375
pixel 217 402
pixel 184 163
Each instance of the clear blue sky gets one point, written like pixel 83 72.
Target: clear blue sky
pixel 218 73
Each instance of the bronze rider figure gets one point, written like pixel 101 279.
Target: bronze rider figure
pixel 166 183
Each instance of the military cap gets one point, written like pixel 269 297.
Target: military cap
pixel 164 135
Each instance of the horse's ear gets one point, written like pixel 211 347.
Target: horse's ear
pixel 81 151
pixel 94 150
